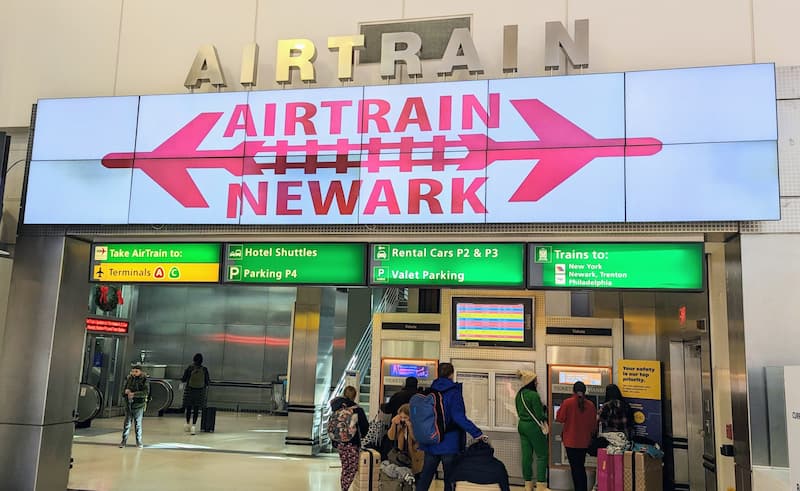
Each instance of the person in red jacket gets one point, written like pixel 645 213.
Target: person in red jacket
pixel 579 417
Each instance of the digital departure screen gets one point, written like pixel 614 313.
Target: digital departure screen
pixel 490 322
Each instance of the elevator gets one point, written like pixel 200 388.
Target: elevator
pixel 692 416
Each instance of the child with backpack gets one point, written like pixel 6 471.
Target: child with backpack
pixel 346 425
pixel 136 392
pixel 195 392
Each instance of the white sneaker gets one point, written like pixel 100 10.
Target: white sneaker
pixel 186 428
pixel 194 430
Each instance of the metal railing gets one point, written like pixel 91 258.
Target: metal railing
pixel 360 361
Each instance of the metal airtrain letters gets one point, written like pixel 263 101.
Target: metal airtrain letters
pixel 404 48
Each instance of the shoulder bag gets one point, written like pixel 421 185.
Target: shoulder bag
pixel 542 426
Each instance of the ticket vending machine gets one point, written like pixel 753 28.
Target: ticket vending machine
pixel 394 372
pixel 560 379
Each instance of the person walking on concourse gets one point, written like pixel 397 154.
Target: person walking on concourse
pixel 195 394
pixel 454 441
pixel 579 417
pixel 349 450
pixel 135 392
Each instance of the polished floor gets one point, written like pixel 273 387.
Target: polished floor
pixel 245 453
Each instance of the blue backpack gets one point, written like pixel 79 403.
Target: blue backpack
pixel 428 417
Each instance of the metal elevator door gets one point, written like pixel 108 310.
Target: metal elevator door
pixel 694 454
pixel 699 417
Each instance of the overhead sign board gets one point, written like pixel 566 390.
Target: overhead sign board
pixel 156 263
pixel 449 265
pixel 647 266
pixel 296 264
pixel 658 146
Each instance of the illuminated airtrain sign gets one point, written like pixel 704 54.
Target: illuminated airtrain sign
pixel 679 145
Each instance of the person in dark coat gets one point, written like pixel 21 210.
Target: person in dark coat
pixel 403 397
pixel 195 392
pixel 478 465
pixel 348 452
pixel 455 438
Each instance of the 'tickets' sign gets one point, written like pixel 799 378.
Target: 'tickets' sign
pixel 671 145
pixel 490 265
pixel 646 266
pixel 156 263
pixel 296 264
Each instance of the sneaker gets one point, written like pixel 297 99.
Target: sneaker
pixel 194 430
pixel 139 445
pixel 122 444
pixel 186 428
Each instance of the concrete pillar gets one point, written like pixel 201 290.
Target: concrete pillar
pixel 40 361
pixel 310 361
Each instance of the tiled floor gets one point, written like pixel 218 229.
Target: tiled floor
pixel 246 453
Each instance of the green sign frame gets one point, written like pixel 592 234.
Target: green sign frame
pixel 460 265
pixel 642 266
pixel 296 263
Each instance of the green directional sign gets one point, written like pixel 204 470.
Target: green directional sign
pixel 296 264
pixel 454 265
pixel 156 263
pixel 642 266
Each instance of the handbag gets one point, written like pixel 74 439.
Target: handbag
pixel 377 430
pixel 398 457
pixel 596 444
pixel 542 426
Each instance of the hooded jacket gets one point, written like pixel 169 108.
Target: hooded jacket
pixel 455 416
pixel 478 465
pixel 363 422
pixel 140 387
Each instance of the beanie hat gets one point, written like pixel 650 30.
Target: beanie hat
pixel 526 376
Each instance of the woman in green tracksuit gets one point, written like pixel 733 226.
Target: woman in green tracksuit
pixel 533 440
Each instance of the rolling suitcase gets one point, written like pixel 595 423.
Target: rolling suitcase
pixel 369 471
pixel 208 420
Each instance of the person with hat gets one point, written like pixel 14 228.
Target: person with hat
pixel 532 431
pixel 135 392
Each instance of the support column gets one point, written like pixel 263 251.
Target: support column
pixel 40 361
pixel 310 362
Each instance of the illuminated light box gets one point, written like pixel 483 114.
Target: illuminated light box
pixel 617 266
pixel 447 265
pixel 106 326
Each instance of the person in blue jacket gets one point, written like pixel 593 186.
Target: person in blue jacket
pixel 455 439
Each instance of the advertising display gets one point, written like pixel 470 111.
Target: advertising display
pixel 640 383
pixel 156 263
pixel 694 144
pixel 296 264
pixel 451 265
pixel 646 266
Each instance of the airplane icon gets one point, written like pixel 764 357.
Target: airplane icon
pixel 561 150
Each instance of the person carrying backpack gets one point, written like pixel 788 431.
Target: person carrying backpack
pixel 446 439
pixel 195 393
pixel 346 425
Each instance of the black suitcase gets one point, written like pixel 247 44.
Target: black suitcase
pixel 208 419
